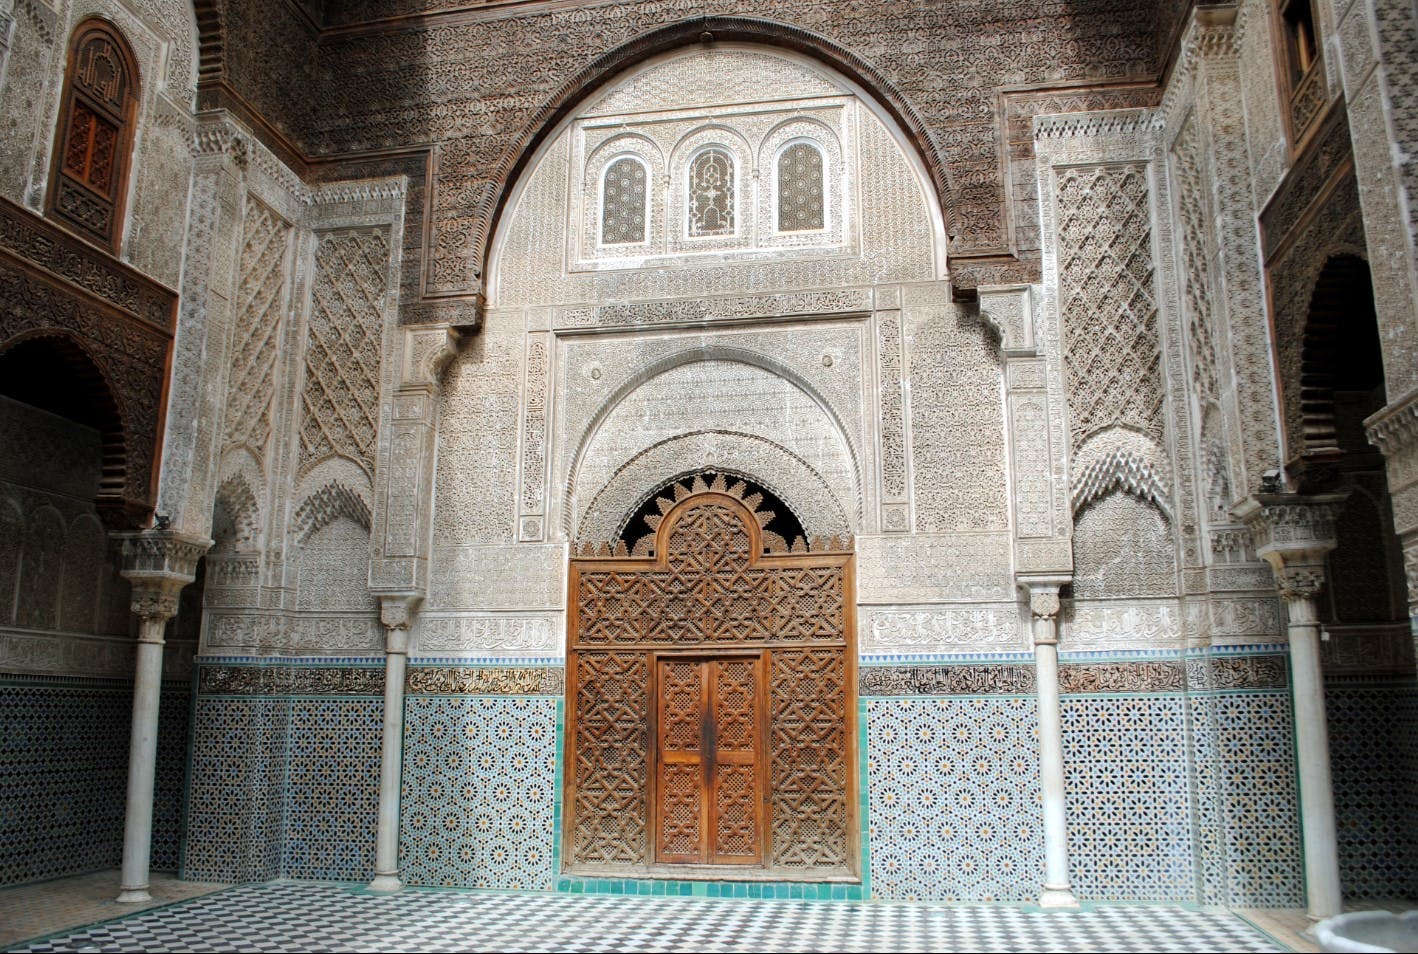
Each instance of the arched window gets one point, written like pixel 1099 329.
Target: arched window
pixel 623 202
pixel 711 193
pixel 801 205
pixel 95 133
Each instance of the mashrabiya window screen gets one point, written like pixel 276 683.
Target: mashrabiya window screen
pixel 711 193
pixel 623 203
pixel 801 205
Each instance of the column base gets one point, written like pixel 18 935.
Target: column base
pixel 1058 899
pixel 386 884
pixel 134 895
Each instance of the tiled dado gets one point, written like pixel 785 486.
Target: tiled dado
pixel 64 748
pixel 1243 773
pixel 285 763
pixel 479 792
pixel 1373 743
pixel 954 792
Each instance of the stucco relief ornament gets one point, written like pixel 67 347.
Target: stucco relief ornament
pixel 1300 582
pixel 1044 602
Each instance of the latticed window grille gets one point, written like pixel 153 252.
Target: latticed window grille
pixel 800 189
pixel 711 193
pixel 623 203
pixel 95 132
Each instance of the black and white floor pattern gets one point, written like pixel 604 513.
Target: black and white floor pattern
pixel 291 916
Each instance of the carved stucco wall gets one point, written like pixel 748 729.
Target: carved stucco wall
pixel 840 375
pixel 299 304
pixel 163 35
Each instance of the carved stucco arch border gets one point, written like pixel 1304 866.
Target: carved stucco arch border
pixel 691 355
pixel 605 69
pixel 749 456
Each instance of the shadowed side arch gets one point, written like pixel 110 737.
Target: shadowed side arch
pixel 79 390
pixel 611 65
pixel 1341 309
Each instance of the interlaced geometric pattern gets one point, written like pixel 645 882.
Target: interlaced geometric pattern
pixel 681 808
pixel 681 714
pixel 773 628
pixel 1192 194
pixel 1112 359
pixel 808 754
pixel 258 323
pixel 711 193
pixel 736 828
pixel 623 203
pixel 800 203
pixel 709 591
pixel 611 758
pixel 340 399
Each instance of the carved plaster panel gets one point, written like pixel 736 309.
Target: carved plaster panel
pixel 486 634
pixel 523 576
pixel 729 398
pixel 993 627
pixel 932 567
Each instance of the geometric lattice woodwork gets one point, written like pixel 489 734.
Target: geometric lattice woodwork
pixel 734 658
pixel 90 174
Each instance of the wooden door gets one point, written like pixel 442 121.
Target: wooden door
pixel 709 804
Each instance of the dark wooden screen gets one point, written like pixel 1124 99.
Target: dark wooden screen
pixel 95 133
pixel 712 702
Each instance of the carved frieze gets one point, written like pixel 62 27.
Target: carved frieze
pixel 290 681
pixel 487 680
pixel 970 679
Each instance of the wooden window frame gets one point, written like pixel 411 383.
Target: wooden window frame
pixel 1299 71
pixel 122 117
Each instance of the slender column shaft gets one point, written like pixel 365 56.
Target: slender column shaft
pixel 386 845
pixel 1044 605
pixel 142 760
pixel 1312 741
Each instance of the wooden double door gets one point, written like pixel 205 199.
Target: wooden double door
pixel 709 796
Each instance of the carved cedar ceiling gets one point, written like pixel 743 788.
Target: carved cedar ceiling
pixel 373 87
pixel 116 327
pixel 736 655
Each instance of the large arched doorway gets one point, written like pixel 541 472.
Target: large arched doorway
pixel 711 675
pixel 1364 604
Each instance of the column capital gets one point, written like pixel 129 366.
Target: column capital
pixel 1043 594
pixel 396 613
pixel 1394 428
pixel 1293 533
pixel 427 351
pixel 159 563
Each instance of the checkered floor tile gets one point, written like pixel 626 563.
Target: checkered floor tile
pixel 289 916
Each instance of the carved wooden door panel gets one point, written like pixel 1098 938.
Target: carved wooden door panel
pixel 711 697
pixel 709 805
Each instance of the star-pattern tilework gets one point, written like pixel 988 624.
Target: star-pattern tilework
pixel 479 791
pixel 1129 813
pixel 64 776
pixel 954 798
pixel 236 797
pixel 1372 744
pixel 332 790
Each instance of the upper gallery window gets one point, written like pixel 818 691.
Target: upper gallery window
pixel 801 203
pixel 624 200
pixel 1301 47
pixel 95 133
pixel 711 193
pixel 1301 76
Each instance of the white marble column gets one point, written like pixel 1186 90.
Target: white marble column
pixel 1293 533
pixel 1044 612
pixel 1298 587
pixel 158 564
pixel 396 613
pixel 153 607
